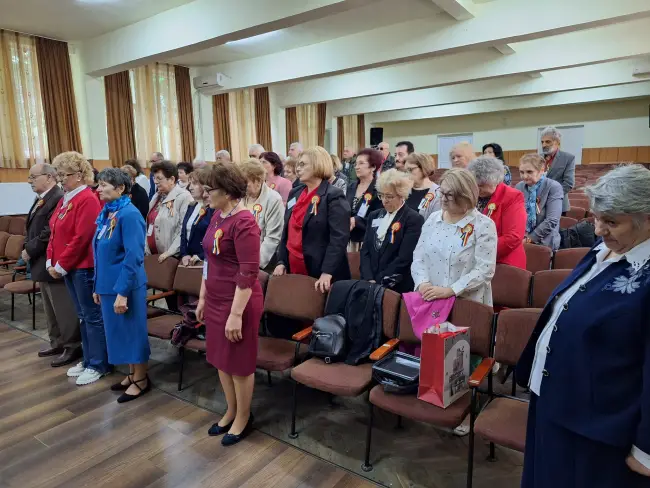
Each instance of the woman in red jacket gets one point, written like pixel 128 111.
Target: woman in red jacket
pixel 70 254
pixel 505 206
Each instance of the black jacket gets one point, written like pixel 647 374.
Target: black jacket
pixel 393 258
pixel 140 200
pixel 194 245
pixel 38 233
pixel 325 235
pixel 373 204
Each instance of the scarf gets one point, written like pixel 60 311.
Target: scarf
pixel 531 205
pixel 111 207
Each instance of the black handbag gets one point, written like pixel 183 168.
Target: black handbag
pixel 329 338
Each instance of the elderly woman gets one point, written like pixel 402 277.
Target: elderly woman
pixel 387 251
pixel 121 282
pixel 195 223
pixel 339 180
pixel 456 252
pixel 316 233
pixel 273 166
pixel 231 299
pixel 505 206
pixel 423 195
pixel 69 255
pixel 461 154
pixel 139 197
pixel 267 208
pixel 494 150
pixel 362 194
pixel 587 363
pixel 543 202
pixel 290 171
pixel 184 171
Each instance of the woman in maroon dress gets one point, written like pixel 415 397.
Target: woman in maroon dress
pixel 231 300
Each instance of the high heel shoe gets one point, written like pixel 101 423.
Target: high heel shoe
pixel 120 387
pixel 232 439
pixel 125 397
pixel 216 429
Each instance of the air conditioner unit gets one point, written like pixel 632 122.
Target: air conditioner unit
pixel 217 80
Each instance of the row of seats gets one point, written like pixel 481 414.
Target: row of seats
pixel 13 224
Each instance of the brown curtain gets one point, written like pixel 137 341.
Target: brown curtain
pixel 322 110
pixel 263 118
pixel 185 113
pixel 340 137
pixel 291 125
pixel 221 119
pixel 361 130
pixel 119 118
pixel 57 89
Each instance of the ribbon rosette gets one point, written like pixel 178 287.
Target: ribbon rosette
pixel 111 227
pixel 491 208
pixel 367 197
pixel 198 217
pixel 67 209
pixel 467 231
pixel 272 186
pixel 257 210
pixel 40 203
pixel 217 238
pixel 537 205
pixel 427 200
pixel 170 207
pixel 314 204
pixel 393 229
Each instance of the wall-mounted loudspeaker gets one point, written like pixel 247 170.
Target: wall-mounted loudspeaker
pixel 376 136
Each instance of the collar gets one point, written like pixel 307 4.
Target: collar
pixel 42 195
pixel 638 256
pixel 69 195
pixel 392 215
pixel 470 216
pixel 171 196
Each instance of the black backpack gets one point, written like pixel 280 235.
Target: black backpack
pixel 329 338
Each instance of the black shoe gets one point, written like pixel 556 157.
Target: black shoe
pixel 216 429
pixel 125 397
pixel 50 351
pixel 232 439
pixel 69 356
pixel 120 387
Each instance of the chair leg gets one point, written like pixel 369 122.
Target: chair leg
pixel 293 434
pixel 268 376
pixel 34 308
pixel 13 299
pixel 366 466
pixel 514 382
pixel 399 422
pixel 492 457
pixel 181 356
pixel 507 374
pixel 470 452
pixel 29 298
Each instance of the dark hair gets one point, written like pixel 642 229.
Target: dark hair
pixel 167 168
pixel 375 158
pixel 187 167
pixel 275 161
pixel 225 176
pixel 498 152
pixel 115 177
pixel 409 146
pixel 136 166
pixel 95 173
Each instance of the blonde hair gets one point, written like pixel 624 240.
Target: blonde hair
pixel 253 169
pixel 73 162
pixel 336 161
pixel 465 148
pixel 321 162
pixel 129 170
pixel 422 161
pixel 535 160
pixel 463 184
pixel 400 181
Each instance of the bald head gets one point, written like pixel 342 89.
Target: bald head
pixel 384 148
pixel 349 152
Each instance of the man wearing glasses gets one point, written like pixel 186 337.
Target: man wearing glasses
pixel 60 314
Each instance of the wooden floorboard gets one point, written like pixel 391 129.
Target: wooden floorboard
pixel 55 434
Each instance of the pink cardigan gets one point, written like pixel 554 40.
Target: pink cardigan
pixel 281 185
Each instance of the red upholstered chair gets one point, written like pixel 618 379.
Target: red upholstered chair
pixel 17 226
pixel 510 287
pixel 538 258
pixel 577 213
pixel 569 258
pixel 544 282
pixel 354 260
pixel 23 287
pixel 160 277
pixel 579 201
pixel 566 222
pixel 4 223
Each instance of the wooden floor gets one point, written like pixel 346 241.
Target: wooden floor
pixel 55 434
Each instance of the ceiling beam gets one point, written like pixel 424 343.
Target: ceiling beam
pixel 458 9
pixel 199 25
pixel 504 48
pixel 600 45
pixel 431 37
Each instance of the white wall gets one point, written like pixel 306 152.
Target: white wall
pixel 612 124
pixel 76 66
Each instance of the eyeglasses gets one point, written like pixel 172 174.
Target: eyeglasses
pixel 33 177
pixel 62 176
pixel 209 190
pixel 386 197
pixel 159 179
pixel 411 170
pixel 447 196
pixel 301 165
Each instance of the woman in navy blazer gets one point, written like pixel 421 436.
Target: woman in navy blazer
pixel 195 224
pixel 587 363
pixel 121 282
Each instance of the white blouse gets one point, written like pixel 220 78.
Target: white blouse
pixel 190 221
pixel 461 256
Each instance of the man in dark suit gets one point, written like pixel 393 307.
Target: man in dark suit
pixel 560 165
pixel 62 320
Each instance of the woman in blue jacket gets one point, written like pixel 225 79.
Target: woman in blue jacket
pixel 121 282
pixel 195 224
pixel 587 363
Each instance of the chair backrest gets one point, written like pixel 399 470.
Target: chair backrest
pixel 538 257
pixel 14 246
pixel 579 201
pixel 511 286
pixel 17 226
pixel 480 318
pixel 4 237
pixel 566 222
pixel 514 328
pixel 577 213
pixel 544 282
pixel 187 280
pixel 4 223
pixel 354 260
pixel 263 278
pixel 160 276
pixel 390 312
pixel 569 258
pixel 405 327
pixel 294 296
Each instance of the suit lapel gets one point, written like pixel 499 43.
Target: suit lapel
pixel 398 218
pixel 32 211
pixel 322 190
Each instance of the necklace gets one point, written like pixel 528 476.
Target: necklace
pixel 218 232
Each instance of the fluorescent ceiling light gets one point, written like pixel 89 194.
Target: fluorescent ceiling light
pixel 248 41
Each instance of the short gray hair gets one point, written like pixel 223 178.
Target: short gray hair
pixel 256 147
pixel 115 177
pixel 555 134
pixel 297 145
pixel 623 190
pixel 399 180
pixel 48 169
pixel 199 163
pixel 487 170
pixel 223 154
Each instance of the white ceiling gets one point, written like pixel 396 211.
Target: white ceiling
pixel 379 14
pixel 74 20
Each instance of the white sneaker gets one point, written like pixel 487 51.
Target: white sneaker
pixel 89 376
pixel 76 370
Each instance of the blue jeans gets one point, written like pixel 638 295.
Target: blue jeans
pixel 93 340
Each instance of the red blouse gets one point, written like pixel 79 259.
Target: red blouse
pixel 294 235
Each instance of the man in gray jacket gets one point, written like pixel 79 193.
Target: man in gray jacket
pixel 560 165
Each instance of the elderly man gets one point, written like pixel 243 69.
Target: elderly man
pixel 155 158
pixel 222 156
pixel 60 315
pixel 294 150
pixel 349 160
pixel 255 151
pixel 560 165
pixel 402 149
pixel 388 160
pixel 198 164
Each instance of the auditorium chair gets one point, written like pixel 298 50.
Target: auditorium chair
pixel 577 213
pixel 544 282
pixel 510 287
pixel 538 258
pixel 566 222
pixel 354 260
pixel 579 201
pixel 341 379
pixel 160 276
pixel 14 280
pixel 187 281
pixel 503 419
pixel 17 226
pixel 4 223
pixel 13 250
pixel 23 287
pixel 569 258
pixel 4 237
pixel 465 313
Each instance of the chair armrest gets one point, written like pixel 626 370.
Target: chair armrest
pixel 20 268
pixel 481 372
pixel 158 296
pixel 303 334
pixel 384 349
pixel 12 261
